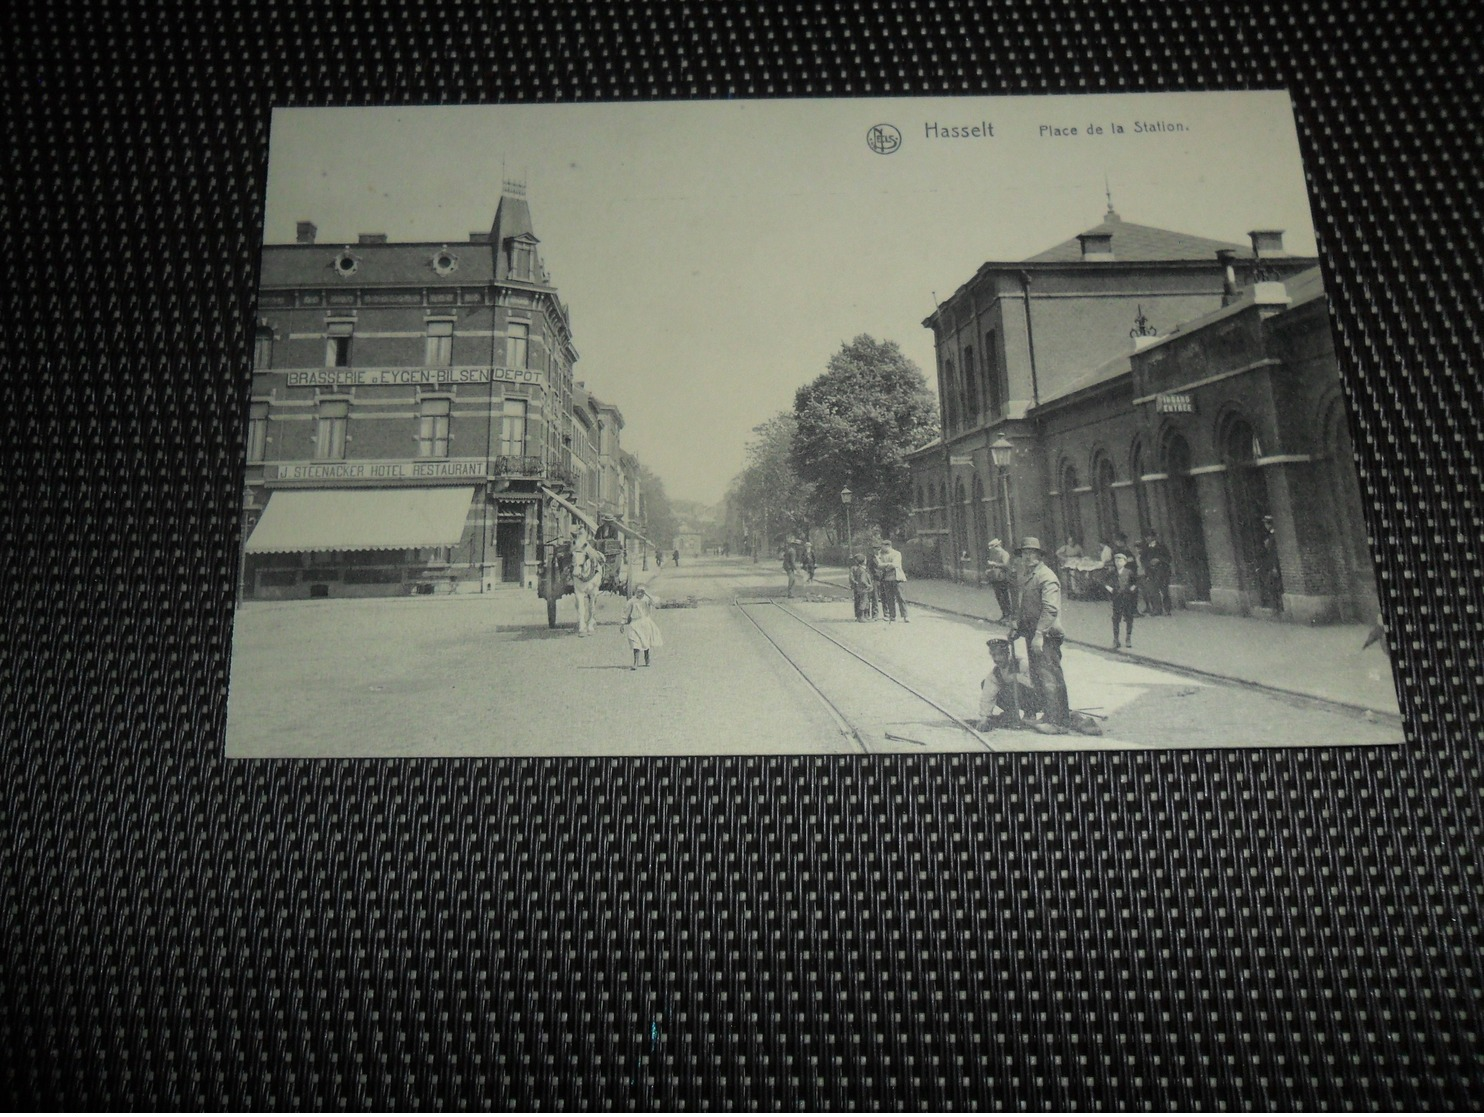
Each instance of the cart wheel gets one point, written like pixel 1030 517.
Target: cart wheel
pixel 551 612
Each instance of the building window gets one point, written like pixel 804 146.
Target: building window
pixel 971 384
pixel 981 520
pixel 257 431
pixel 1105 500
pixel 337 344
pixel 432 428
pixel 1141 490
pixel 994 393
pixel 1071 514
pixel 262 349
pixel 517 339
pixel 950 396
pixel 439 351
pixel 513 429
pixel 329 430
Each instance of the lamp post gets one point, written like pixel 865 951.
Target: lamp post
pixel 846 496
pixel 1002 452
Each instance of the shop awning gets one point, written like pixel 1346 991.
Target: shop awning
pixel 361 519
pixel 572 508
pixel 630 532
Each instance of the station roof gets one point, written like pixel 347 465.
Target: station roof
pixel 1132 243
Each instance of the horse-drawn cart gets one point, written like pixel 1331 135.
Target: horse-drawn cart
pixel 612 538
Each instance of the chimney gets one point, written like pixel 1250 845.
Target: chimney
pixel 479 238
pixel 371 238
pixel 1267 242
pixel 1227 258
pixel 306 233
pixel 1096 246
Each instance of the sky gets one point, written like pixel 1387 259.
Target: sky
pixel 714 255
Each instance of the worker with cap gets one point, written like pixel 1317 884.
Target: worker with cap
pixel 997 570
pixel 1038 621
pixel 1008 693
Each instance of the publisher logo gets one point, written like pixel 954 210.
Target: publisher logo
pixel 883 139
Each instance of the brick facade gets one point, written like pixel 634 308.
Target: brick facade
pixel 1160 391
pixel 386 364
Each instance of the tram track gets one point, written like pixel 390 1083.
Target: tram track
pixel 877 718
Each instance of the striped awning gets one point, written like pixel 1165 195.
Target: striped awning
pixel 630 532
pixel 361 519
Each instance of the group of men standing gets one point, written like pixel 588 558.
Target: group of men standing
pixel 1018 687
pixel 798 556
pixel 876 582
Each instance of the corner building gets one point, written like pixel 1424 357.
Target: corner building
pixel 411 414
pixel 1135 378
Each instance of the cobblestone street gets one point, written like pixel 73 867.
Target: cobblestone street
pixel 484 676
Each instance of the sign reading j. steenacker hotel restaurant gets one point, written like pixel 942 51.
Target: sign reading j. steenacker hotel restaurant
pixel 443 469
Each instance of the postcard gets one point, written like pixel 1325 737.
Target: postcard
pixel 802 427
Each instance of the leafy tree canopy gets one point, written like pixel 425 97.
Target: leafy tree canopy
pixel 768 493
pixel 855 426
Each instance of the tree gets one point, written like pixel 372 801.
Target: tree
pixel 660 522
pixel 768 493
pixel 855 426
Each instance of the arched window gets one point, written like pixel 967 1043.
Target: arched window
pixel 949 395
pixel 1256 546
pixel 1138 467
pixel 971 385
pixel 1187 531
pixel 1104 498
pixel 1071 515
pixel 960 518
pixel 981 524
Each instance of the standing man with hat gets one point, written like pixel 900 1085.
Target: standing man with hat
pixel 1272 570
pixel 893 575
pixel 791 563
pixel 1038 620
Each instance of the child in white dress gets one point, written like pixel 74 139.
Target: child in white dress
pixel 639 626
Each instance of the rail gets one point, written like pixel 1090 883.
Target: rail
pixel 848 728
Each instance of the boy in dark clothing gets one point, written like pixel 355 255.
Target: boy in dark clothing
pixel 1123 591
pixel 861 587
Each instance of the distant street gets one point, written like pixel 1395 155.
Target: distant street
pixel 484 676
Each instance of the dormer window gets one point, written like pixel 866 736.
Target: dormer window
pixel 1096 246
pixel 521 256
pixel 346 262
pixel 444 262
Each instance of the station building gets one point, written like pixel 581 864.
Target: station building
pixel 1135 378
pixel 413 422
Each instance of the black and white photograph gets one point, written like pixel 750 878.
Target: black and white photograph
pixel 816 427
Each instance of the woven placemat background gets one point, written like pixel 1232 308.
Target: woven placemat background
pixel 1190 929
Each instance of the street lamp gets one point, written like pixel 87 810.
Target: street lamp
pixel 1002 452
pixel 846 496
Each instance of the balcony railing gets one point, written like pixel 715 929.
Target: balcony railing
pixel 532 468
pixel 514 465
